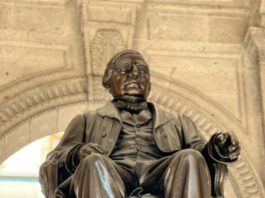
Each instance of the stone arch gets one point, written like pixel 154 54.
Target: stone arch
pixel 18 112
pixel 26 111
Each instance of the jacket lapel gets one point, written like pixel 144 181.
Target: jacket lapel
pixel 109 110
pixel 160 117
pixel 110 128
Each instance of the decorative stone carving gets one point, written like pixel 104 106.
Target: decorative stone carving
pixel 105 44
pixel 16 109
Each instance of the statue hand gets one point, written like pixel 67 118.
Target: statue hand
pixel 49 177
pixel 87 149
pixel 228 146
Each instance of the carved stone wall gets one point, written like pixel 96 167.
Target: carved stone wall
pixel 206 59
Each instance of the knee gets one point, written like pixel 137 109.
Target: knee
pixel 93 159
pixel 189 156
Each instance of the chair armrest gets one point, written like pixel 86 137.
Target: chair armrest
pixel 52 174
pixel 218 174
pixel 48 177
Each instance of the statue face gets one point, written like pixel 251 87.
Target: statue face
pixel 130 76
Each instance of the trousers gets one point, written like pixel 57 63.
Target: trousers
pixel 182 175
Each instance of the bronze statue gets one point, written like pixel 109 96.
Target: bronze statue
pixel 131 148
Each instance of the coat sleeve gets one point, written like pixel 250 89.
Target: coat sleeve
pixel 191 135
pixel 73 137
pixel 54 170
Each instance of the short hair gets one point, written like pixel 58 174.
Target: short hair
pixel 111 64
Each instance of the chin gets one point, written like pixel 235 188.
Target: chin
pixel 134 94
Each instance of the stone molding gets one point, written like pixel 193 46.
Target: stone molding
pixel 254 45
pixel 39 2
pixel 262 13
pixel 227 3
pixel 229 11
pixel 19 108
pixel 253 61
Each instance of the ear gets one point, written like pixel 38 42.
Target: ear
pixel 110 91
pixel 148 90
pixel 106 85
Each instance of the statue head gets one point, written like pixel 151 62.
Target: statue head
pixel 127 74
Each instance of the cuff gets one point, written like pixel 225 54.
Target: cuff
pixel 72 162
pixel 214 152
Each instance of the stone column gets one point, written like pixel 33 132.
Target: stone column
pixel 254 91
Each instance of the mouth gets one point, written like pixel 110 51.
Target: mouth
pixel 132 84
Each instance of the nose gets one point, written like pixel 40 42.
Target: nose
pixel 134 70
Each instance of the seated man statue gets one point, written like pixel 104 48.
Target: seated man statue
pixel 131 148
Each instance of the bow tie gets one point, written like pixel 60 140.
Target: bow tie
pixel 131 106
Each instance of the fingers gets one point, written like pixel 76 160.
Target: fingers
pixel 49 174
pixel 233 146
pixel 89 149
pixel 234 150
pixel 221 139
pixel 86 150
pixel 234 155
pixel 228 145
pixel 83 152
pixel 96 148
pixel 226 139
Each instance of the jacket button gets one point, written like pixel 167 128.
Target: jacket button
pixel 164 135
pixel 104 135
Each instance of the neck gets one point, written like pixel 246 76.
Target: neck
pixel 130 99
pixel 132 104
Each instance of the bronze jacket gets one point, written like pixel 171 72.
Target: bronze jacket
pixel 171 133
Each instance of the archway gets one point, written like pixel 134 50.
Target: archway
pixel 47 117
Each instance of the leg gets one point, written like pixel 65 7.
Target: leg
pixel 97 177
pixel 187 176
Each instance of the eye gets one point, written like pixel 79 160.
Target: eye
pixel 123 69
pixel 142 68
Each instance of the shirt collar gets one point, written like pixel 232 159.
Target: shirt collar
pixel 142 118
